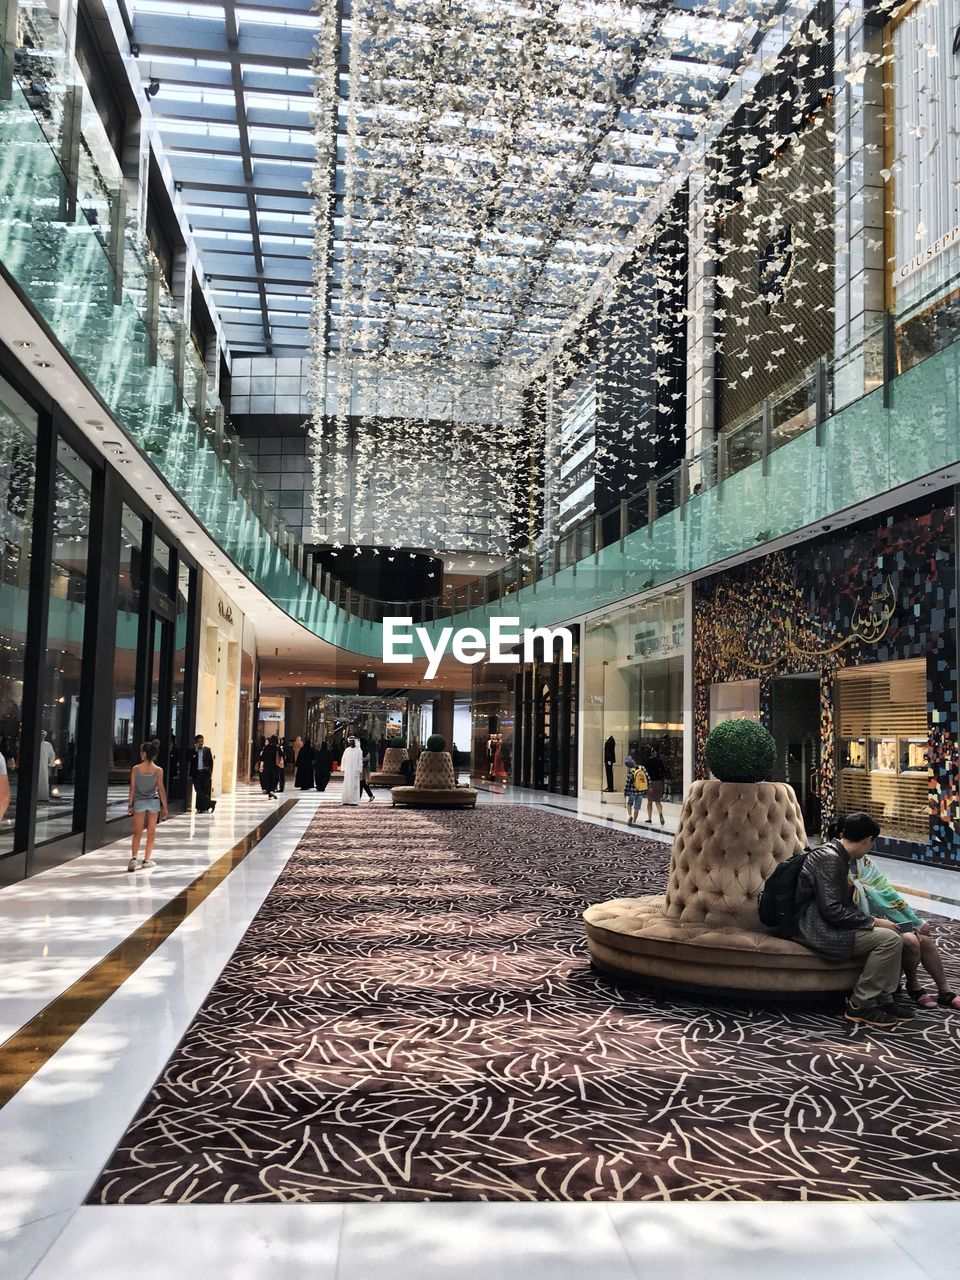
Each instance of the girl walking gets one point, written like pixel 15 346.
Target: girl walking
pixel 147 803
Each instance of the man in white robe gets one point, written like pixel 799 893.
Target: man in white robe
pixel 351 766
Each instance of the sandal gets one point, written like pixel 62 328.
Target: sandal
pixel 922 998
pixel 948 999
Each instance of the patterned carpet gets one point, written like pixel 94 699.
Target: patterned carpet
pixel 411 1017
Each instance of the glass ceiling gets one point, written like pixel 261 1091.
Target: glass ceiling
pixel 493 157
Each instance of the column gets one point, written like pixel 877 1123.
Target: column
pixel 859 196
pixel 701 334
pixel 443 716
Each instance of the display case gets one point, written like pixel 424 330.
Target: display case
pixel 883 755
pixel 853 753
pixel 913 755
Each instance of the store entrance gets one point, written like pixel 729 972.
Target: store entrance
pixel 795 725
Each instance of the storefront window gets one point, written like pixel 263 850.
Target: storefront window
pixel 18 439
pixel 634 676
pixel 122 744
pixel 61 679
pixel 179 674
pixel 161 566
pixel 882 707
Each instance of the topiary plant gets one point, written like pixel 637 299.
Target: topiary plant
pixel 436 742
pixel 394 741
pixel 741 751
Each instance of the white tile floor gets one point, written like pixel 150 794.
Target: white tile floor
pixel 57 1133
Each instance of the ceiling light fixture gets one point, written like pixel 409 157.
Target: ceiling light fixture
pixel 23 344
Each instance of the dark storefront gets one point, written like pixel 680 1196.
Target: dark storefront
pixel 96 641
pixel 525 722
pixel 846 649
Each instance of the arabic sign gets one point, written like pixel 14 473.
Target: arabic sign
pixel 869 624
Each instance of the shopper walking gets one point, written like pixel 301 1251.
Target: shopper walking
pixel 147 803
pixel 303 778
pixel 365 772
pixel 351 766
pixel 322 766
pixel 271 761
pixel 634 789
pixel 609 760
pixel 201 774
pixel 656 773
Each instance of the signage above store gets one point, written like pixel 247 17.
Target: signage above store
pixel 932 251
pixel 658 639
pixel 225 611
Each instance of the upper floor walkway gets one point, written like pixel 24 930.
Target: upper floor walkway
pixel 857 428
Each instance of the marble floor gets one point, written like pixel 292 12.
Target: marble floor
pixel 57 1132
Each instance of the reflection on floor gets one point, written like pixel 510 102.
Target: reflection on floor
pixel 58 1133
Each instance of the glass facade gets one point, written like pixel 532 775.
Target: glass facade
pixel 95 639
pixel 634 676
pixel 18 441
pixel 56 791
pixel 123 754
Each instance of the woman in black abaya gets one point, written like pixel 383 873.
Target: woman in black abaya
pixel 304 775
pixel 322 766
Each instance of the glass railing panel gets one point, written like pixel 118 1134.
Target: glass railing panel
pixel 64 270
pixel 745 445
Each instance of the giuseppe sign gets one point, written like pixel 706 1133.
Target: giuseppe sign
pixel 471 644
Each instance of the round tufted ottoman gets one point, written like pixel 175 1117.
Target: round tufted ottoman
pixel 389 773
pixel 435 786
pixel 704 934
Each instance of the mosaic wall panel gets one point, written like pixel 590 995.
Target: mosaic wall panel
pixel 878 592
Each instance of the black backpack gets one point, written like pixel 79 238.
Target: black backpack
pixel 777 904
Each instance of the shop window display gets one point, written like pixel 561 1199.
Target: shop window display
pixel 60 694
pixel 123 755
pixel 634 670
pixel 178 688
pixel 18 439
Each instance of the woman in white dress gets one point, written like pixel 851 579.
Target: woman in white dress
pixel 351 766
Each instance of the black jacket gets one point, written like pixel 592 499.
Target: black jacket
pixel 195 760
pixel 828 916
pixel 610 751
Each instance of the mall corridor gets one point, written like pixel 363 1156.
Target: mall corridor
pixel 377 1033
pixel 479 654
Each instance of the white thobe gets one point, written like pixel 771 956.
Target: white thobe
pixel 351 766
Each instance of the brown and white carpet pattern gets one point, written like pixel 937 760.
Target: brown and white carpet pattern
pixel 411 1016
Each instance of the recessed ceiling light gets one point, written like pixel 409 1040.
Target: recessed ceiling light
pixel 23 344
pixel 42 364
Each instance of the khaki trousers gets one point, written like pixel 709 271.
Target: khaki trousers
pixel 880 974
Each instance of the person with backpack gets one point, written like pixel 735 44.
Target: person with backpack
pixel 874 893
pixel 656 772
pixel 634 789
pixel 828 921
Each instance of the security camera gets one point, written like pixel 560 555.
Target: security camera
pixel 153 88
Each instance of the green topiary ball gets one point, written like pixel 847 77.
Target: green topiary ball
pixel 436 742
pixel 741 751
pixel 394 741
